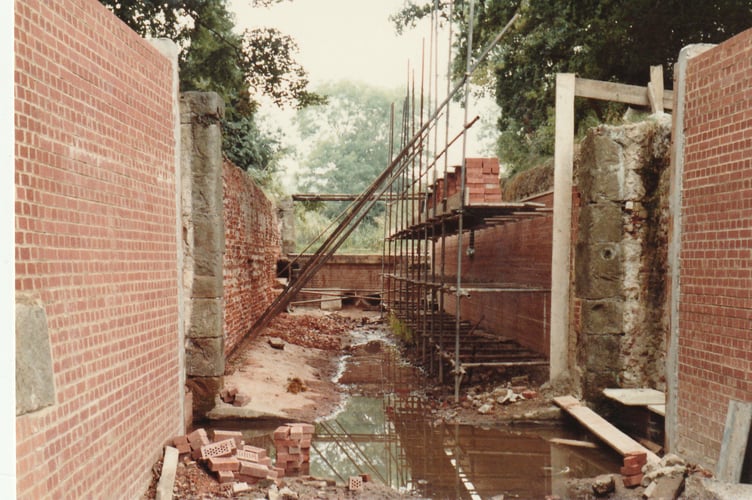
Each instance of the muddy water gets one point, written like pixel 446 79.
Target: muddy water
pixel 391 430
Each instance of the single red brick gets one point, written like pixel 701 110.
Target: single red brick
pixel 198 438
pixel 219 449
pixel 247 456
pixel 183 448
pixel 272 474
pixel 282 432
pixel 220 435
pixel 631 470
pixel 180 440
pixel 266 461
pixel 253 470
pixel 217 464
pixel 225 476
pixel 632 481
pixel 635 458
pixel 261 452
pixel 305 443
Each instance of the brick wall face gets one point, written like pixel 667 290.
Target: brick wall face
pixel 516 254
pixel 348 272
pixel 715 304
pixel 252 248
pixel 95 244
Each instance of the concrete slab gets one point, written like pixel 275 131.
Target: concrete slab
pixel 636 397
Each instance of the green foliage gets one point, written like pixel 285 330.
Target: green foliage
pixel 239 67
pixel 348 140
pixel 610 40
pixel 400 329
pixel 312 226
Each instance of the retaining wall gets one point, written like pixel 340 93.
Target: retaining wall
pixel 512 255
pixel 252 248
pixel 98 380
pixel 714 323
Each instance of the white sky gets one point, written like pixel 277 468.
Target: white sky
pixel 341 39
pixel 354 40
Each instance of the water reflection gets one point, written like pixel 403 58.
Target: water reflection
pixel 391 439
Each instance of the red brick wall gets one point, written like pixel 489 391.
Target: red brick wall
pixel 96 244
pixel 348 272
pixel 515 254
pixel 252 247
pixel 715 302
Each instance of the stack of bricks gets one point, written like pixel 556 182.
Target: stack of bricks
pixel 482 180
pixel 228 457
pixel 632 470
pixel 481 184
pixel 293 444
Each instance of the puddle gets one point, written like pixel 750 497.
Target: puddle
pixel 387 429
pixel 391 439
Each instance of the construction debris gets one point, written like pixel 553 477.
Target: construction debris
pixel 293 444
pixel 237 465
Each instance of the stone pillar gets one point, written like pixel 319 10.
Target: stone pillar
pixel 204 245
pixel 620 256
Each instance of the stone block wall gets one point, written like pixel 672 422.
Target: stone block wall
pixel 97 332
pixel 515 255
pixel 203 245
pixel 252 248
pixel 714 324
pixel 620 257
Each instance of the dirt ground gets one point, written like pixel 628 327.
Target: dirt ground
pixel 289 373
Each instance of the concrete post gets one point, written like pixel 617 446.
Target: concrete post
pixel 674 243
pixel 170 50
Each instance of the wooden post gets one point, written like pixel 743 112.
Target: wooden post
pixel 655 89
pixel 562 230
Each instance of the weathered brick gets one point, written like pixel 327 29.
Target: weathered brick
pixel 221 435
pixel 219 449
pixel 228 463
pixel 253 469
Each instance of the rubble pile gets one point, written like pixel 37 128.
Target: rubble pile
pixel 485 402
pixel 238 465
pixel 320 332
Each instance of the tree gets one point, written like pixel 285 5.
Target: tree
pixel 348 141
pixel 238 67
pixel 614 40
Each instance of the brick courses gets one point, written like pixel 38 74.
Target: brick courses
pixel 96 245
pixel 252 248
pixel 517 253
pixel 715 312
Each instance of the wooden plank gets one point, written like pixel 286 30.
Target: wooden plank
pixel 561 241
pixel 169 470
pixel 655 89
pixel 619 92
pixel 573 442
pixel 599 426
pixel 636 397
pixel 734 444
pixel 658 409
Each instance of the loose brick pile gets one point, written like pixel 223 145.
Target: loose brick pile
pixel 228 457
pixel 293 444
pixel 632 470
pixel 238 465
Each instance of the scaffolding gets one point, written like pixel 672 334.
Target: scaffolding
pixel 429 205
